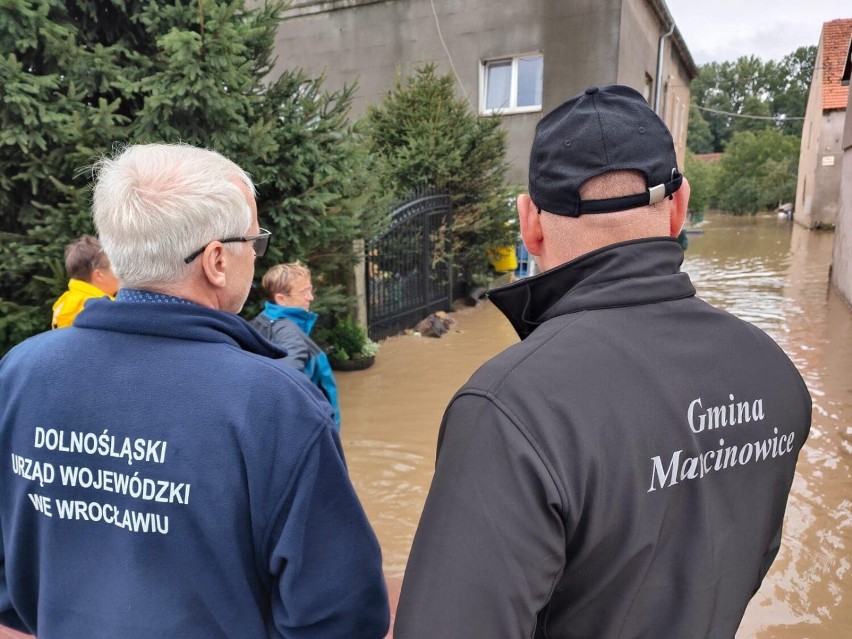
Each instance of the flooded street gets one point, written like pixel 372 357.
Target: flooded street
pixel 765 270
pixel 392 412
pixel 776 276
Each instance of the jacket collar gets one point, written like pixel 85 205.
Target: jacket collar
pixel 191 322
pixel 89 290
pixel 301 317
pixel 625 274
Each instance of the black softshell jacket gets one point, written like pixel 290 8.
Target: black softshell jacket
pixel 621 472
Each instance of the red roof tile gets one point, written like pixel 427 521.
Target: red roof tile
pixel 835 46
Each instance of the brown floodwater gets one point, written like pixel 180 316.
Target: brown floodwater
pixel 764 269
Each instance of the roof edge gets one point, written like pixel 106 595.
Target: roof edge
pixel 297 8
pixel 668 21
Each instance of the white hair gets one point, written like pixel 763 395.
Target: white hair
pixel 155 204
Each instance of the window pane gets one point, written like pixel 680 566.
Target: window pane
pixel 498 84
pixel 530 76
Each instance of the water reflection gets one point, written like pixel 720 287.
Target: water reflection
pixel 763 269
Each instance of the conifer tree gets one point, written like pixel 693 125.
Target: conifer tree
pixel 423 136
pixel 79 78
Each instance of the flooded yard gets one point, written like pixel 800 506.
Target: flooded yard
pixel 765 270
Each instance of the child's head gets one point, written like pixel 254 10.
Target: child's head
pixel 85 260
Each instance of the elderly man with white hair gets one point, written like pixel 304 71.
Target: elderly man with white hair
pixel 165 474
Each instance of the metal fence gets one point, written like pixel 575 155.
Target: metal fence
pixel 409 265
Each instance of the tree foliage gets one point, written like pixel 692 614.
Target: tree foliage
pixel 756 109
pixel 748 86
pixel 760 141
pixel 791 79
pixel 423 136
pixel 82 77
pixel 758 171
pixel 703 180
pixel 698 134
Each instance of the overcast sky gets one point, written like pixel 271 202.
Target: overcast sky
pixel 720 30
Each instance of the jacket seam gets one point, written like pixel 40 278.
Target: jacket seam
pixel 273 515
pixel 564 496
pixel 308 445
pixel 534 444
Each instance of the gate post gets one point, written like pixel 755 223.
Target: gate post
pixel 360 283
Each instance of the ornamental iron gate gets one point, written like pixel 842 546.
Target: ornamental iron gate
pixel 409 265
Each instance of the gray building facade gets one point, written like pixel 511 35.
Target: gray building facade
pixel 841 263
pixel 511 60
pixel 821 151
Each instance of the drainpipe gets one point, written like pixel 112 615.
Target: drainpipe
pixel 658 88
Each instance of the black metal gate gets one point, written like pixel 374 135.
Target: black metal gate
pixel 409 266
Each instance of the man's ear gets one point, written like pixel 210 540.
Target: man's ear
pixel 280 299
pixel 213 262
pixel 678 207
pixel 530 220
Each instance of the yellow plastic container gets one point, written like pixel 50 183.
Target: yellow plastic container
pixel 503 259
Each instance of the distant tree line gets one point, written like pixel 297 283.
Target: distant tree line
pixel 751 111
pixel 81 78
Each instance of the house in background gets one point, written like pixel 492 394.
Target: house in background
pixel 818 186
pixel 515 60
pixel 841 263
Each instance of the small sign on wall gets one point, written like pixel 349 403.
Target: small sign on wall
pixel 828 160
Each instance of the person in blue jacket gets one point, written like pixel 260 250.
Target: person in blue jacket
pixel 164 473
pixel 287 321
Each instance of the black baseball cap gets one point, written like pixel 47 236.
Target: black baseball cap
pixel 604 129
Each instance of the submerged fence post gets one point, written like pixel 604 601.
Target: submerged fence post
pixel 360 282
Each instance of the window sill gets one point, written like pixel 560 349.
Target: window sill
pixel 515 111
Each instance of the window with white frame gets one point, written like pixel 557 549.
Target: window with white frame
pixel 512 85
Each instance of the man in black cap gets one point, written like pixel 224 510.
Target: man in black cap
pixel 622 471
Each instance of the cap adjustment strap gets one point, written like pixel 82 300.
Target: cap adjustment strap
pixel 653 195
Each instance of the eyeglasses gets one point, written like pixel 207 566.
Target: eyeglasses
pixel 261 243
pixel 306 292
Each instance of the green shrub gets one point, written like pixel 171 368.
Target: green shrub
pixel 348 340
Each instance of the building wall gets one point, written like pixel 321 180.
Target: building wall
pixel 820 158
pixel 829 159
pixel 676 91
pixel 641 30
pixel 584 43
pixel 805 184
pixel 841 266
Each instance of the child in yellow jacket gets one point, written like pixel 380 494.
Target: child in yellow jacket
pixel 91 276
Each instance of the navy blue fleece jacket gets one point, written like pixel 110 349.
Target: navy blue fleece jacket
pixel 163 475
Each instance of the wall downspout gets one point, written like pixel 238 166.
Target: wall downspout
pixel 658 83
